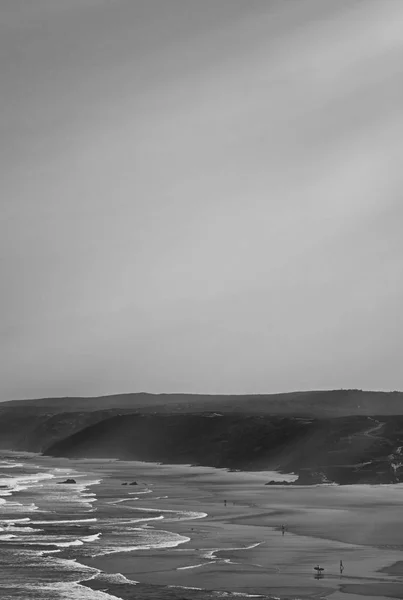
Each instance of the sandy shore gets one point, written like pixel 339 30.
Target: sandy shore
pixel 240 548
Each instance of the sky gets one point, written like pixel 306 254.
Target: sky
pixel 200 197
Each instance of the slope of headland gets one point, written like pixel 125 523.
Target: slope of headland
pixel 342 436
pixel 344 450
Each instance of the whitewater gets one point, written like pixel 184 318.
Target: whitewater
pixel 47 526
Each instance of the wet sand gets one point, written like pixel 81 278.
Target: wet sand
pixel 239 547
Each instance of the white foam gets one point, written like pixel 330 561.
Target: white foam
pixel 279 477
pixel 12 521
pixel 177 515
pixel 210 554
pixel 245 595
pixel 63 470
pixel 16 507
pixel 115 578
pixel 6 464
pixel 68 564
pixel 52 542
pixel 64 522
pixel 7 537
pixel 73 591
pixel 92 538
pixel 150 546
pixel 76 493
pixel 60 542
pixel 185 587
pixel 11 527
pixel 146 519
pixel 193 566
pixel 25 480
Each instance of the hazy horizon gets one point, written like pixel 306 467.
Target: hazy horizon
pixel 200 197
pixel 173 393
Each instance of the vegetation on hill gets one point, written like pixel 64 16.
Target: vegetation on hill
pixel 343 436
pixel 342 450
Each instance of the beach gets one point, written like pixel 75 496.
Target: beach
pixel 172 531
pixel 241 543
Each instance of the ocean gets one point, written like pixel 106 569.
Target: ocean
pixel 46 526
pixel 49 530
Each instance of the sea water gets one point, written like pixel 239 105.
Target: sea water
pixel 47 526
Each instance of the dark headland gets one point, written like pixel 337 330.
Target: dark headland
pixel 342 436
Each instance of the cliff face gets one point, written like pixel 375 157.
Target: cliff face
pixel 341 450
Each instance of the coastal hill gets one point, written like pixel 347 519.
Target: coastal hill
pixel 342 450
pixel 335 403
pixel 342 436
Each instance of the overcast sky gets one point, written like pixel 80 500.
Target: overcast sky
pixel 200 196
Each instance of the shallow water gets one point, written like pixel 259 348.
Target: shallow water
pixel 46 527
pixel 52 536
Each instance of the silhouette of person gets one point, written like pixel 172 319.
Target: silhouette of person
pixel 319 572
pixel 341 567
pixel 282 529
pixel 225 503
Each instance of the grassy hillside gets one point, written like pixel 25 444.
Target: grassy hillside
pixel 342 450
pixel 35 430
pixel 331 435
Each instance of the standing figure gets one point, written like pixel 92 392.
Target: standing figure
pixel 319 572
pixel 283 529
pixel 341 567
pixel 225 503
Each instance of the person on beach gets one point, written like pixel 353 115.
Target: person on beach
pixel 318 572
pixel 341 567
pixel 282 529
pixel 225 503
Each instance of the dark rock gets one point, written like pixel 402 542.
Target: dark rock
pixel 68 481
pixel 282 483
pixel 133 483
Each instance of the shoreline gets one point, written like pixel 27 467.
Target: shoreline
pixel 246 532
pixel 230 523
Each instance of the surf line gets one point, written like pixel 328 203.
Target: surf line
pixel 193 567
pixel 181 515
pixel 211 554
